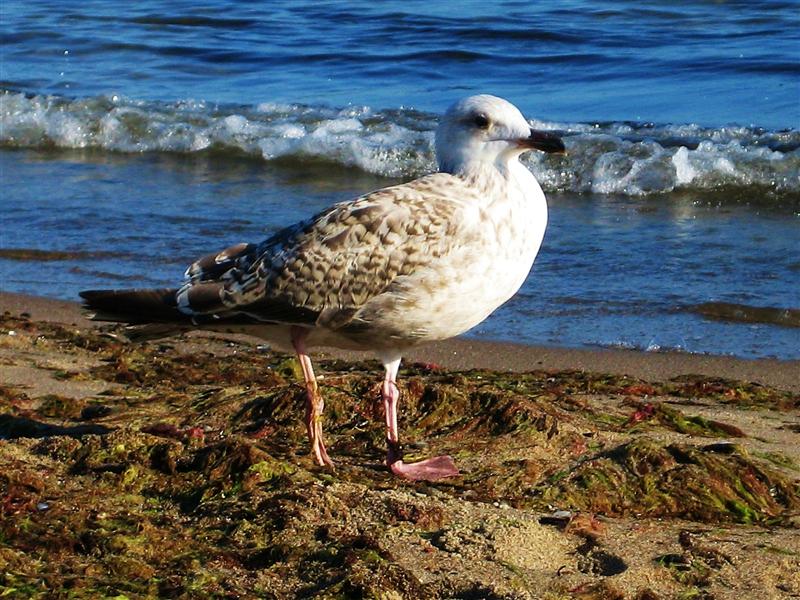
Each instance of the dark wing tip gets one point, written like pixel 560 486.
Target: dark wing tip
pixel 134 306
pixel 91 295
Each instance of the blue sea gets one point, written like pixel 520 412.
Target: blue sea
pixel 136 136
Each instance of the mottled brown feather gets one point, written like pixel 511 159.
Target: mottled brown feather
pixel 332 264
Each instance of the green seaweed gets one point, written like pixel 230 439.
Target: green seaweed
pixel 646 477
pixel 728 391
pixel 779 459
pixel 694 425
pixel 54 405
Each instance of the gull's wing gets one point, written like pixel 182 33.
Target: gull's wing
pixel 321 271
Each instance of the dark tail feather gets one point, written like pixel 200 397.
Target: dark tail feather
pixel 134 306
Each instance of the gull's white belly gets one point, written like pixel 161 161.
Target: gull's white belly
pixel 473 292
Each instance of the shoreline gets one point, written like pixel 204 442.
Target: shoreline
pixel 465 354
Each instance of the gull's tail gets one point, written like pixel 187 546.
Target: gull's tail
pixel 134 306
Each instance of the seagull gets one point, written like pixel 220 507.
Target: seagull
pixel 412 263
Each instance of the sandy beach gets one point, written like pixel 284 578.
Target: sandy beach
pixel 179 468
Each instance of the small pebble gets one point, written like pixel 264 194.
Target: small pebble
pixel 42 506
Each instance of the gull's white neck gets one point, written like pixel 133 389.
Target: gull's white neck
pixel 505 177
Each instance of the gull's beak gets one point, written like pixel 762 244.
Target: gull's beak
pixel 544 141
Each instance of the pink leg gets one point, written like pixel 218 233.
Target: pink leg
pixel 430 469
pixel 314 402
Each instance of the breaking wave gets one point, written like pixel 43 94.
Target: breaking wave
pixel 634 159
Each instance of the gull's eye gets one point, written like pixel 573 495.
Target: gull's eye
pixel 481 121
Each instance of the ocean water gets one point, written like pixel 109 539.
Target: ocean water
pixel 135 137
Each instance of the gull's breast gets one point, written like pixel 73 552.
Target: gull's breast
pixel 487 267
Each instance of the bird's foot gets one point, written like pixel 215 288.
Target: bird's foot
pixel 320 453
pixel 323 460
pixel 430 469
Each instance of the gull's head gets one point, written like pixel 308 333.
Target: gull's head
pixel 487 131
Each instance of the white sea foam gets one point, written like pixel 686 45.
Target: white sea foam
pixel 603 158
pixel 684 171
